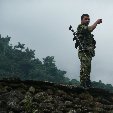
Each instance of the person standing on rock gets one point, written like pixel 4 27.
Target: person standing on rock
pixel 86 45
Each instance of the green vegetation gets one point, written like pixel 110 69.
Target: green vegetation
pixel 20 62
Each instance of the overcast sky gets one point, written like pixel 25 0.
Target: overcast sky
pixel 43 26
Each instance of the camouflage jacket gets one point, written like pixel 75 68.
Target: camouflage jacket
pixel 85 38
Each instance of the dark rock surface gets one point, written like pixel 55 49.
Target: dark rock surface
pixel 18 96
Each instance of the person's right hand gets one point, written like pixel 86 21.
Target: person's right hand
pixel 99 21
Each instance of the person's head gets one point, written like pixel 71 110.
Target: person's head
pixel 85 19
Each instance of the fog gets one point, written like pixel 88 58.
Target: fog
pixel 42 25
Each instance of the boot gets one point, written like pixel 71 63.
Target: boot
pixel 88 84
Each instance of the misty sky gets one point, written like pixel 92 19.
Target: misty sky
pixel 43 26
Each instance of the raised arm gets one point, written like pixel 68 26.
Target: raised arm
pixel 92 27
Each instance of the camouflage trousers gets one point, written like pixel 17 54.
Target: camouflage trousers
pixel 85 67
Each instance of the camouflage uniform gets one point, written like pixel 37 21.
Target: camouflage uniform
pixel 86 44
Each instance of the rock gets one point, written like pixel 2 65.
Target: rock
pixel 41 96
pixel 32 90
pixel 72 111
pixel 57 111
pixel 20 97
pixel 50 92
pixel 49 99
pixel 3 105
pixel 60 92
pixel 36 111
pixel 11 112
pixel 68 103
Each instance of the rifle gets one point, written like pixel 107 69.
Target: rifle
pixel 75 37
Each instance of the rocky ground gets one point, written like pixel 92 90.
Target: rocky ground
pixel 43 97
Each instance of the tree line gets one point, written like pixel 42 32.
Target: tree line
pixel 19 61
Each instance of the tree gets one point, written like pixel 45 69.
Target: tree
pixel 49 65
